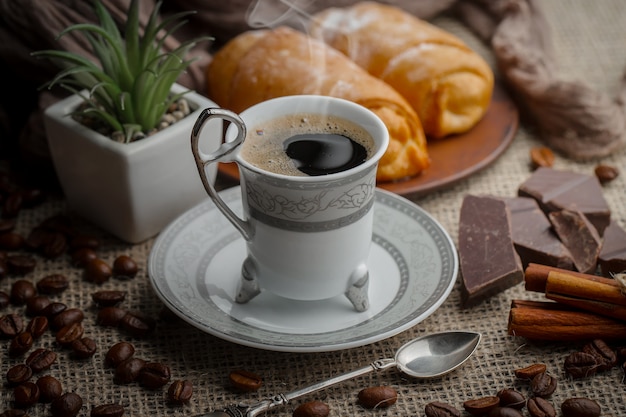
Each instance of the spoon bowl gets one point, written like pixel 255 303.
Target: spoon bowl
pixel 436 354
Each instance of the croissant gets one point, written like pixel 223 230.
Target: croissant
pixel 448 84
pixel 259 65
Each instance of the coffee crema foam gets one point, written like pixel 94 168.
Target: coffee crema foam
pixel 264 146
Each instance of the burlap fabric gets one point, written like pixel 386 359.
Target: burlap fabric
pixel 588 44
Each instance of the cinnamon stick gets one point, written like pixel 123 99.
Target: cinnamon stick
pixel 590 295
pixel 536 276
pixel 551 321
pixel 588 292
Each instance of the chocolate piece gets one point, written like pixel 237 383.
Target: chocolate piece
pixel 557 190
pixel 612 258
pixel 489 263
pixel 579 236
pixel 534 239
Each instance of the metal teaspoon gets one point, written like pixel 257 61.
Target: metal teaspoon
pixel 428 356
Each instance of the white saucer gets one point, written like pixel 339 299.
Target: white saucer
pixel 195 265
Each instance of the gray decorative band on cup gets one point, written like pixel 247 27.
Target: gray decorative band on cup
pixel 311 205
pixel 315 226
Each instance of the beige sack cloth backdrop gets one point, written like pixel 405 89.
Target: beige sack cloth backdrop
pixel 571 117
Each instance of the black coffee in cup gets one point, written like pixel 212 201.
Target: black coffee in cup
pixel 307 145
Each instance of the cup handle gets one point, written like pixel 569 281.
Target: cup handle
pixel 225 153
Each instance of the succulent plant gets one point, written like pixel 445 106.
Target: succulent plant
pixel 130 89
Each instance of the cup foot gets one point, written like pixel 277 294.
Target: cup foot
pixel 357 293
pixel 249 288
pixel 248 285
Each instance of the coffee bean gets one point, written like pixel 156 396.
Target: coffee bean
pixel 606 173
pixel 32 197
pixel 137 323
pixel 505 412
pixel 244 380
pixel 580 365
pixel 18 374
pixel 539 407
pixel 81 257
pixel 10 326
pixel 67 405
pixel 41 359
pixel 36 304
pixel 110 316
pixel 511 398
pixel 20 264
pixel 124 267
pixel 5 299
pixel 13 412
pixel 54 245
pixel 154 375
pixel 21 291
pixel 530 371
pixel 440 409
pixel 7 225
pixel 128 370
pixel 541 156
pixel 37 326
pixel 180 391
pixel 84 242
pixel 84 348
pixel 53 309
pixel 20 344
pixel 70 333
pixel 12 205
pixel 97 271
pixel 36 239
pixel 580 407
pixel 11 241
pixel 53 284
pixel 26 394
pixel 108 298
pixel 482 405
pixel 107 410
pixel 312 409
pixel 543 385
pixel 377 397
pixel 50 388
pixel 118 353
pixel 60 223
pixel 606 357
pixel 67 317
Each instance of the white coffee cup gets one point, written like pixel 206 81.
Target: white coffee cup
pixel 308 237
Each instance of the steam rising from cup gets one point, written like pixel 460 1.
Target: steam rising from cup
pixel 273 13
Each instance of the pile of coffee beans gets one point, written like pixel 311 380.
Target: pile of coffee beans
pixel 509 402
pixel 20 255
pixel 596 356
pixel 129 369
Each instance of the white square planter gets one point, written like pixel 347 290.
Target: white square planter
pixel 130 190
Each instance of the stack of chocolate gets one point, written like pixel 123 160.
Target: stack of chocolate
pixel 559 218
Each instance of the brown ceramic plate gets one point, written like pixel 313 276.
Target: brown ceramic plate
pixel 456 157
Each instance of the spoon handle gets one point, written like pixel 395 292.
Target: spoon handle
pixel 282 399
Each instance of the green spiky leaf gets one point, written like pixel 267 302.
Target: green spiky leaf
pixel 130 89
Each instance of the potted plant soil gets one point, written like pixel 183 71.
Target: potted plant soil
pixel 121 143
